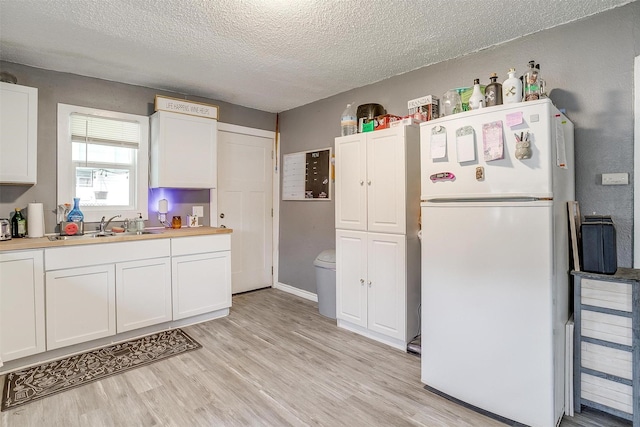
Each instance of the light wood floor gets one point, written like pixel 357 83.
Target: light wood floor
pixel 274 361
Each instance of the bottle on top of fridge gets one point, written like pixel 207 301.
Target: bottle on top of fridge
pixel 348 121
pixel 531 80
pixel 512 88
pixel 493 92
pixel 476 101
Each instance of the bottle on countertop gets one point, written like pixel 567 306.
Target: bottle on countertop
pixel 348 121
pixel 476 101
pixel 512 88
pixel 531 82
pixel 75 214
pixel 493 92
pixel 18 225
pixel 139 223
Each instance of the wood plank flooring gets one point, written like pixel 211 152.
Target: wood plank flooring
pixel 274 361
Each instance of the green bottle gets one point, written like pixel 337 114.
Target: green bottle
pixel 18 225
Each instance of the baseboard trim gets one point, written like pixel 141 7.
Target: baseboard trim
pixel 296 291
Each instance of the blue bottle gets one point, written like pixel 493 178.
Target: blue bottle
pixel 75 215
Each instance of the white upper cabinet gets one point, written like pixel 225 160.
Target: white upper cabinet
pixel 183 151
pixel 373 180
pixel 18 134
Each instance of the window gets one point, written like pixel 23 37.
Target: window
pixel 103 160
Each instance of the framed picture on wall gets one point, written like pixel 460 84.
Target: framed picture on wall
pixel 306 175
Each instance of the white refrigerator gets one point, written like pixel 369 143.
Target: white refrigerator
pixel 495 261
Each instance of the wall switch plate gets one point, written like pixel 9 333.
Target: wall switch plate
pixel 615 178
pixel 198 211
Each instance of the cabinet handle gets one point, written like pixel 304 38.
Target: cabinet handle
pixel 362 281
pixel 361 182
pixel 369 182
pixel 369 283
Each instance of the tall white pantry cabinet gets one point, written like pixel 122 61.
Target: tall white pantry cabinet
pixel 377 222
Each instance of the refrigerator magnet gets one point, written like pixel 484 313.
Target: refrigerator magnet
pixel 442 176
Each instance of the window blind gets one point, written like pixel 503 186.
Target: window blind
pixel 104 131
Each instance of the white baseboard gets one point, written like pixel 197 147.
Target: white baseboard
pixel 296 291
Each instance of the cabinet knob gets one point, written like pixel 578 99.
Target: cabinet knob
pixel 369 283
pixel 369 182
pixel 362 281
pixel 221 215
pixel 223 226
pixel 361 182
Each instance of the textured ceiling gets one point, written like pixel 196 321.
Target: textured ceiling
pixel 272 55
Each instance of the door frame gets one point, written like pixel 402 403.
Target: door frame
pixel 636 171
pixel 275 221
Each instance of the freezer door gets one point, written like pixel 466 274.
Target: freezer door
pixel 507 176
pixel 487 307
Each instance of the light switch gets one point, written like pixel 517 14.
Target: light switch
pixel 615 178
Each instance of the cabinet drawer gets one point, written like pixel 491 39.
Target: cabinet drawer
pixel 106 253
pixel 601 293
pixel 200 244
pixel 606 327
pixel 608 393
pixel 606 359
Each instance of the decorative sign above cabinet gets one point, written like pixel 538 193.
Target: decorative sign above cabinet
pixel 165 103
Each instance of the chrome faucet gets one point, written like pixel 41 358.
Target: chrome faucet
pixel 104 225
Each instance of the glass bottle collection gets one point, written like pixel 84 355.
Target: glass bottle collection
pixel 529 87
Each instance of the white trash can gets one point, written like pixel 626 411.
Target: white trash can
pixel 325 264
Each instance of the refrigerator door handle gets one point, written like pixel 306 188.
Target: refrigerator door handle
pixel 489 199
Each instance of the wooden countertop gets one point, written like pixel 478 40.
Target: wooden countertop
pixel 154 233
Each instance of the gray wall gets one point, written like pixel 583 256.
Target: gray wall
pixel 589 67
pixel 54 87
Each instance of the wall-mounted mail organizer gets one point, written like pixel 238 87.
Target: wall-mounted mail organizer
pixel 306 175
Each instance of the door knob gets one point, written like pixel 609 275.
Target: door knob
pixel 221 215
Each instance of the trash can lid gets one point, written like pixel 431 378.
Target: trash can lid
pixel 326 259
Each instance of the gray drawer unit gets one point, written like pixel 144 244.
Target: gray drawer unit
pixel 606 366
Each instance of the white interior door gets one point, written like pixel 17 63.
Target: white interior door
pixel 245 202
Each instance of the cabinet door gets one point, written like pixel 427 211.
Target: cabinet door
pixel 351 176
pixel 143 291
pixel 21 304
pixel 18 134
pixel 386 195
pixel 80 305
pixel 183 151
pixel 387 284
pixel 201 283
pixel 351 276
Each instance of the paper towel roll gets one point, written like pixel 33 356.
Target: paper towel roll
pixel 35 220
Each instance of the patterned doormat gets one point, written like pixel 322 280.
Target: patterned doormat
pixel 50 378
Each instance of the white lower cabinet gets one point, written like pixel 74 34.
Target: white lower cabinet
pixel 22 329
pixel 201 275
pixel 373 294
pixel 80 305
pixel 143 293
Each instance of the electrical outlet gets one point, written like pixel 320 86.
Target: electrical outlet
pixel 198 211
pixel 615 178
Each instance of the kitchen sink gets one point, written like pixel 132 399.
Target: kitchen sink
pixel 99 235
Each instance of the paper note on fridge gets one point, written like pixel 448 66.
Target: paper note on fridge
pixel 561 149
pixel 492 141
pixel 465 144
pixel 438 142
pixel 514 119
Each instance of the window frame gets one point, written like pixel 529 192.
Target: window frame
pixel 66 178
